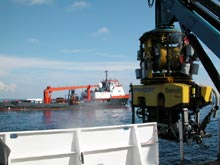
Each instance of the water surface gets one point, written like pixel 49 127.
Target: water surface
pixel 61 119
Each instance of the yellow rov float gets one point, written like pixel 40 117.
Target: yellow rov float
pixel 167 92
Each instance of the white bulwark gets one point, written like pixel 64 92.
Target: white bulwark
pixel 135 144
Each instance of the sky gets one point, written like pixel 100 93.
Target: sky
pixel 64 43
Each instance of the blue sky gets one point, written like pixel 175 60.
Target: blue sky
pixel 71 42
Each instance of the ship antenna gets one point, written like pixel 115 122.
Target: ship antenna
pixel 106 75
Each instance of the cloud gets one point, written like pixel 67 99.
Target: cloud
pixel 7 87
pixel 91 51
pixel 101 31
pixel 32 75
pixel 80 5
pixel 33 40
pixel 33 2
pixel 73 51
pixel 110 55
pixel 9 63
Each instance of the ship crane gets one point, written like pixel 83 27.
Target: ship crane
pixel 48 91
pixel 168 60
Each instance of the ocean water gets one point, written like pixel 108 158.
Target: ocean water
pixel 60 119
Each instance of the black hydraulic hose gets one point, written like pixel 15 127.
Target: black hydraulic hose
pixel 212 6
pixel 205 12
pixel 206 62
pixel 212 112
pixel 216 102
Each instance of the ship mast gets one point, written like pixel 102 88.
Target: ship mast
pixel 106 75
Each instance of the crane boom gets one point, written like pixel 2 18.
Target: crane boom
pixel 48 91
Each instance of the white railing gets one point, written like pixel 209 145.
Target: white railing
pixel 135 144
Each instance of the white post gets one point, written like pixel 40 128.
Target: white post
pixel 181 142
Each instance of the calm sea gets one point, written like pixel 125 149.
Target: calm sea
pixel 59 119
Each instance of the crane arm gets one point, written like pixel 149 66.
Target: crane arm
pixel 49 90
pixel 69 87
pixel 206 61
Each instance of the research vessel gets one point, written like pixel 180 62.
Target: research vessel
pixel 109 93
